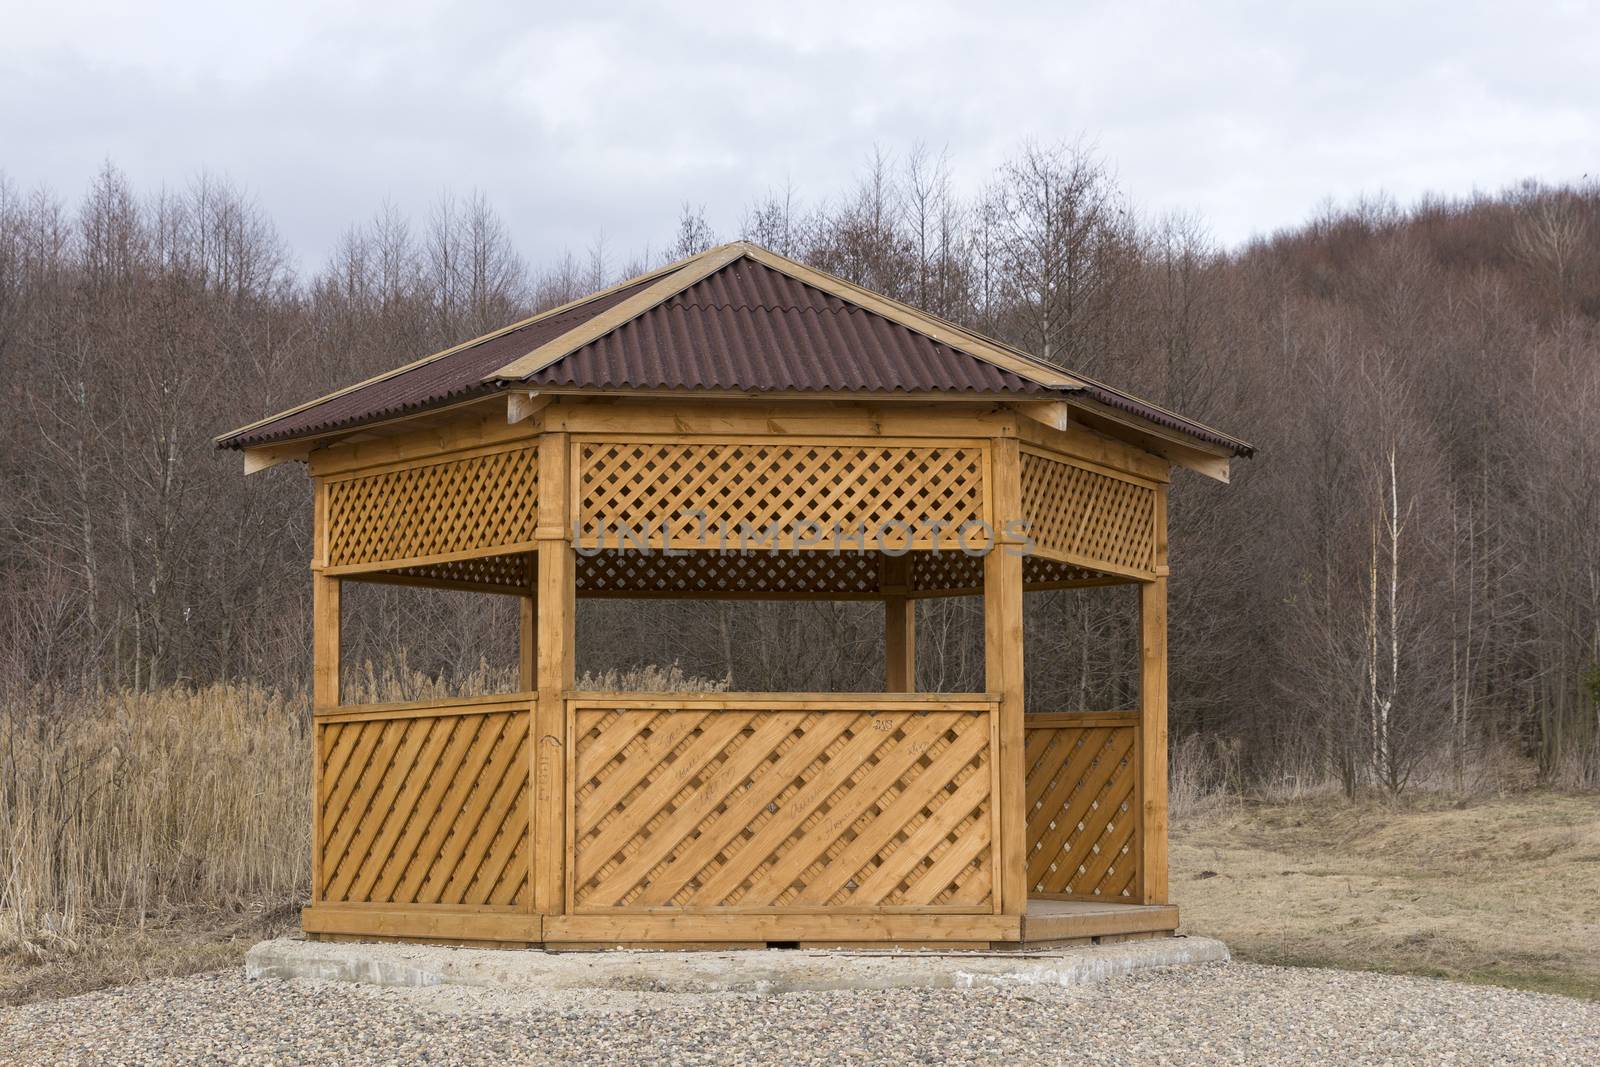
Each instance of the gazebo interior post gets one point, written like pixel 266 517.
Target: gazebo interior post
pixel 899 626
pixel 555 664
pixel 1003 670
pixel 528 618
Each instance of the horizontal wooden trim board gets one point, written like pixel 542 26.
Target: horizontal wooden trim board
pixel 367 566
pixel 782 927
pixel 1055 720
pixel 481 705
pixel 604 697
pixel 482 924
pixel 1078 559
pixel 1050 920
pixel 1047 920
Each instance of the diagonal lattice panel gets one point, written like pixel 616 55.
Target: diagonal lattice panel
pixel 425 810
pixel 1081 811
pixel 767 809
pixel 1087 515
pixel 459 505
pixel 733 495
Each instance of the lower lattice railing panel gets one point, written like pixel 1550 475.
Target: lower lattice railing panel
pixel 1082 805
pixel 426 809
pixel 781 807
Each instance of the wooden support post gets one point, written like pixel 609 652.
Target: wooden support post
pixel 555 604
pixel 528 663
pixel 1152 746
pixel 1002 643
pixel 899 626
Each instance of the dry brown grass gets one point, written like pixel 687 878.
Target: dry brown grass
pixel 1503 890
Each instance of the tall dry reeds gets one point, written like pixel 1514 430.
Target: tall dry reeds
pixel 117 806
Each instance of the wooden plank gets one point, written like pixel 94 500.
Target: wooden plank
pixel 1003 673
pixel 419 922
pixel 1152 748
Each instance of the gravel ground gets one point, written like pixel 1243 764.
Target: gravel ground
pixel 1216 1013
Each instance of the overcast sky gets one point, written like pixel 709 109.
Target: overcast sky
pixel 573 122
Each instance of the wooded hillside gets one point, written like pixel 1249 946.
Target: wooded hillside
pixel 1405 582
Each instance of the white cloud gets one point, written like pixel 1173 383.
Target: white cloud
pixel 575 121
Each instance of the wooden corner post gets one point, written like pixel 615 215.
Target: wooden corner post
pixel 1002 645
pixel 899 626
pixel 554 605
pixel 325 664
pixel 1153 721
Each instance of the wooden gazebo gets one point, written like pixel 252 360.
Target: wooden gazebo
pixel 738 425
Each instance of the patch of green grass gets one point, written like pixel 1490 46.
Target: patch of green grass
pixel 1581 987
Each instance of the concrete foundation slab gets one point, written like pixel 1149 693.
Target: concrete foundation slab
pixel 758 971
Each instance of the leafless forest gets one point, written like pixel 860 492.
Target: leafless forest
pixel 1403 589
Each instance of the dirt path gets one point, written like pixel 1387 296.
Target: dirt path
pixel 1504 891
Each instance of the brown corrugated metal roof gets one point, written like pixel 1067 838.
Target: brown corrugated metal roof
pixel 754 329
pixel 746 326
pixel 453 376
